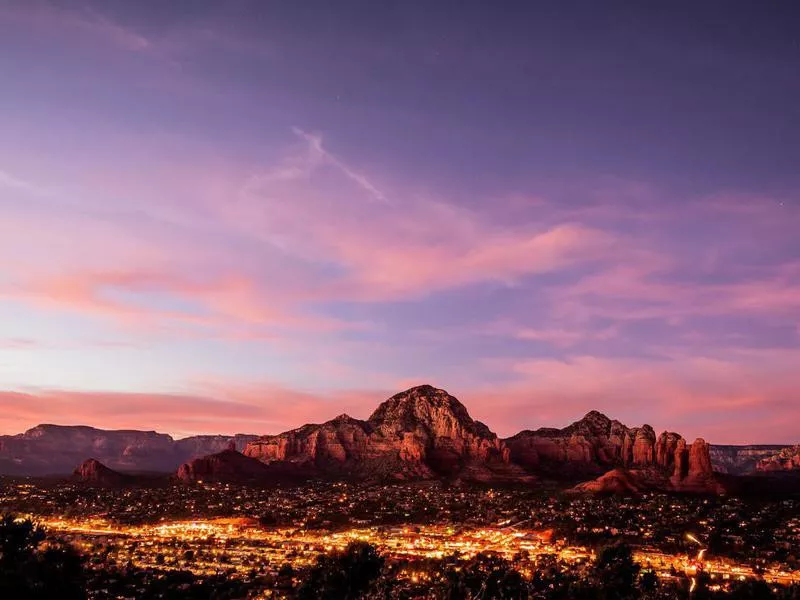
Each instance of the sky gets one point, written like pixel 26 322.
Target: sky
pixel 246 216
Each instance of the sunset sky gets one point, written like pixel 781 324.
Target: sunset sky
pixel 245 216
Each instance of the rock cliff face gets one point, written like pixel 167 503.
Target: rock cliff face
pixel 226 466
pixel 788 459
pixel 617 481
pixel 740 460
pixel 421 433
pixel 56 449
pixel 95 472
pixel 596 444
pixel 692 469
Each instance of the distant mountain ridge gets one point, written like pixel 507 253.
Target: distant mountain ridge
pixel 742 460
pixel 56 449
pixel 788 459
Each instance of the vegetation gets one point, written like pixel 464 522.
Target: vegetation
pixel 35 567
pixel 345 575
pixel 32 567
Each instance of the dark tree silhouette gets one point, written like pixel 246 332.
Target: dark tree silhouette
pixel 648 582
pixel 615 573
pixel 486 576
pixel 33 568
pixel 752 590
pixel 343 575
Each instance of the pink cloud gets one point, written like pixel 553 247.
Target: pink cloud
pixel 610 293
pixel 260 409
pixel 727 399
pixel 389 246
pixel 228 304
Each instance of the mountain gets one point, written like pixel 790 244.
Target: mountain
pixel 95 472
pixel 740 460
pixel 597 444
pixel 228 466
pixel 55 449
pixel 787 459
pixel 755 459
pixel 421 433
pixel 617 481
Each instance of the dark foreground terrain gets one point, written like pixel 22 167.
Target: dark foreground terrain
pixel 422 540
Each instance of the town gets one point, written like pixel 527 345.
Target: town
pixel 268 538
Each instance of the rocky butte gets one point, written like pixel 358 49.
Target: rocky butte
pixel 94 472
pixel 635 458
pixel 422 433
pixel 229 465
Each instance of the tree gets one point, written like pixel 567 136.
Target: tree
pixel 615 573
pixel 33 569
pixel 344 575
pixel 752 590
pixel 486 576
pixel 648 582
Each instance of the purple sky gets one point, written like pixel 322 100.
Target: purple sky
pixel 245 216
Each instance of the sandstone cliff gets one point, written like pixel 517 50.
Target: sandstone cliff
pixel 787 459
pixel 421 433
pixel 617 481
pixel 596 444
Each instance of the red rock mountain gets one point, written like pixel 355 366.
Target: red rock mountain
pixel 421 433
pixel 226 466
pixel 597 443
pixel 617 481
pixel 93 471
pixel 788 459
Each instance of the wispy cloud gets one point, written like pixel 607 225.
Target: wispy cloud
pixel 409 248
pixel 232 306
pixel 18 343
pixel 728 398
pixel 85 21
pixel 16 183
pixel 317 154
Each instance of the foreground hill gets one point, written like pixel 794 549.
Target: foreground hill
pixel 421 433
pixel 229 466
pixel 94 472
pixel 56 449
